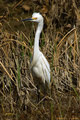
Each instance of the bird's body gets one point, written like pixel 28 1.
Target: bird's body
pixel 40 68
pixel 39 65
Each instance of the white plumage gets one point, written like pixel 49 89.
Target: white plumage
pixel 39 65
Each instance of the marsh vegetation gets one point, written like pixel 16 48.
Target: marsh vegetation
pixel 60 43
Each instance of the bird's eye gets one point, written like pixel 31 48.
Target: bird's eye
pixel 34 18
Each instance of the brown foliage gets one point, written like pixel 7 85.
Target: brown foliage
pixel 60 44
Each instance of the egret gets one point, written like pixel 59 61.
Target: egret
pixel 39 64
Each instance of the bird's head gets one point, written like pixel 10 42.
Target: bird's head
pixel 36 17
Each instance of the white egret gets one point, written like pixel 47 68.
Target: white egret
pixel 39 65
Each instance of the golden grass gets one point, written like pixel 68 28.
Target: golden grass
pixel 60 45
pixel 23 81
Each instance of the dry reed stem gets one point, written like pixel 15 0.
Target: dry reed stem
pixel 6 55
pixel 12 40
pixel 67 49
pixel 6 98
pixel 73 48
pixel 32 104
pixel 76 9
pixel 7 72
pixel 46 97
pixel 31 83
pixel 9 114
pixel 65 38
pixel 18 4
pixel 74 44
pixel 25 36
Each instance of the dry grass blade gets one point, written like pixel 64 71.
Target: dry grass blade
pixel 76 10
pixel 46 97
pixel 31 83
pixel 75 42
pixel 12 40
pixel 6 71
pixel 65 38
pixel 68 48
pixel 18 4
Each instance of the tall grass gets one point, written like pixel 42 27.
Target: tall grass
pixel 60 45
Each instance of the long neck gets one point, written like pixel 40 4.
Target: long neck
pixel 37 36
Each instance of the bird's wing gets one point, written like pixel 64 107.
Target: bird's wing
pixel 45 68
pixel 45 62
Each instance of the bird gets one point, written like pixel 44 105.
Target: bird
pixel 39 65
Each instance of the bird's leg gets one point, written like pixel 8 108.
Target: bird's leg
pixel 38 93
